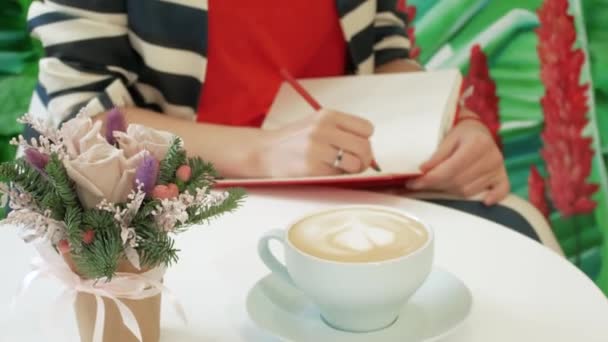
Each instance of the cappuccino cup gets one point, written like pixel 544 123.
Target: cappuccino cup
pixel 358 264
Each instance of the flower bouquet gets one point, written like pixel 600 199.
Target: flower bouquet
pixel 102 208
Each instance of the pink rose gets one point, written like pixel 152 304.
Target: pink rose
pixel 103 172
pixel 138 138
pixel 80 134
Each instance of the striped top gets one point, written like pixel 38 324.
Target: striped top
pixel 152 53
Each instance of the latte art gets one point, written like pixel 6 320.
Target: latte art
pixel 358 235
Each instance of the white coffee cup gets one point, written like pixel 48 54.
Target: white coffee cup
pixel 352 296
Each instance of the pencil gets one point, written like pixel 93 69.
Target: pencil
pixel 311 100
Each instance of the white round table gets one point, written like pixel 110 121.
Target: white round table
pixel 522 291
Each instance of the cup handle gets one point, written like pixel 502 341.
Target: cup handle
pixel 269 259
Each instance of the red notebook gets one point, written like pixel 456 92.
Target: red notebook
pixel 411 113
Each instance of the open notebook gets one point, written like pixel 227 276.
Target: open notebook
pixel 411 113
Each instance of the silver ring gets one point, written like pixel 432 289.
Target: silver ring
pixel 338 159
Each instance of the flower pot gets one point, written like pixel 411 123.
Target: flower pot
pixel 146 312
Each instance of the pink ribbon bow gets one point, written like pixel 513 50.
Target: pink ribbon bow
pixel 122 286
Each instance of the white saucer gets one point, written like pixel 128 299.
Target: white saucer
pixel 437 308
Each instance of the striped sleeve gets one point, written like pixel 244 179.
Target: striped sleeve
pixel 89 61
pixel 390 37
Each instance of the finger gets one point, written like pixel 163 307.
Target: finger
pixel 348 162
pixel 445 149
pixel 498 192
pixel 356 145
pixel 317 161
pixel 478 185
pixel 484 169
pixel 351 163
pixel 443 174
pixel 348 122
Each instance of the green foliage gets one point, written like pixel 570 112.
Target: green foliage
pixel 63 197
pixel 145 211
pixel 231 203
pixel 175 157
pixel 19 55
pixel 26 178
pixel 155 247
pixel 15 94
pixel 100 258
pixel 17 50
pixel 511 49
pixel 203 175
pixel 63 185
pixel 73 221
pixel 55 191
pixel 7 151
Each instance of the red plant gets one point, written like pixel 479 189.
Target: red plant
pixel 410 12
pixel 483 99
pixel 567 154
pixel 536 191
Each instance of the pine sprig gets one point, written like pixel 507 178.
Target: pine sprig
pixel 145 211
pixel 203 175
pixel 102 257
pixel 65 194
pixel 155 247
pixel 100 253
pixel 53 203
pixel 175 157
pixel 73 222
pixel 63 185
pixel 233 200
pixel 27 179
pixel 99 259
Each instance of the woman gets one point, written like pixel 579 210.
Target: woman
pixel 171 62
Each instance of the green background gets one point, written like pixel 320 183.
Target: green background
pixel 19 55
pixel 445 30
pixel 505 29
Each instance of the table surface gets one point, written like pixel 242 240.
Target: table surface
pixel 522 291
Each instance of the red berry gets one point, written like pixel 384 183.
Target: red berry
pixel 184 173
pixel 63 246
pixel 165 191
pixel 87 236
pixel 160 192
pixel 173 190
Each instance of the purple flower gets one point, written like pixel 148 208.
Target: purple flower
pixel 36 159
pixel 147 173
pixel 115 121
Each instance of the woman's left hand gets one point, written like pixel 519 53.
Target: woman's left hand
pixel 466 163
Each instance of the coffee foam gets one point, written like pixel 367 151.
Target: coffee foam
pixel 358 235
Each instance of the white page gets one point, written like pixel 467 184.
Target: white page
pixel 410 111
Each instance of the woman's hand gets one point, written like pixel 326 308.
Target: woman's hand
pixel 466 163
pixel 310 146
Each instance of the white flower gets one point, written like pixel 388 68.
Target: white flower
pixel 174 212
pixel 80 134
pixel 35 225
pixel 138 138
pixel 102 172
pixel 41 126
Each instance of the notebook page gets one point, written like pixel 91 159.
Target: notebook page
pixel 408 111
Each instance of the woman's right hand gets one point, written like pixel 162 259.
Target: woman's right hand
pixel 310 146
